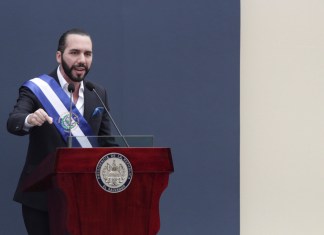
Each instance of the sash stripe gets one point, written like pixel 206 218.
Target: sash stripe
pixel 56 102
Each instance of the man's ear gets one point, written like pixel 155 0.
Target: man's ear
pixel 59 57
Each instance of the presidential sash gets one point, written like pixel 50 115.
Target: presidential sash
pixel 57 105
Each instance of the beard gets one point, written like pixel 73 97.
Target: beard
pixel 68 71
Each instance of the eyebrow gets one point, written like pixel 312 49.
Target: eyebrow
pixel 78 50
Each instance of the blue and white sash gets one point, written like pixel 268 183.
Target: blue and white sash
pixel 56 103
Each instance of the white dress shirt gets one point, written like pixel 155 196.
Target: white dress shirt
pixel 80 102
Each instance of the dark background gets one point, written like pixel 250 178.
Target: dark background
pixel 171 68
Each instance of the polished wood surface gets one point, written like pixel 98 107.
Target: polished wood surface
pixel 78 205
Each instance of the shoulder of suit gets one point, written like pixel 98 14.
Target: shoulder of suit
pixel 53 74
pixel 97 86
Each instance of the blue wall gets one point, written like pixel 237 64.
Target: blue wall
pixel 172 70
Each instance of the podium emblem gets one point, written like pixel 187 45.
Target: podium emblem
pixel 114 172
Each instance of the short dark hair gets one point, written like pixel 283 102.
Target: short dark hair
pixel 62 41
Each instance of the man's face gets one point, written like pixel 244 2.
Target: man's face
pixel 76 59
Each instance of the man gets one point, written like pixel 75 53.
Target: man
pixel 38 114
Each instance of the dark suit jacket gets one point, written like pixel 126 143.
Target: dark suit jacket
pixel 45 139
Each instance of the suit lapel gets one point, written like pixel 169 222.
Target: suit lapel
pixel 88 104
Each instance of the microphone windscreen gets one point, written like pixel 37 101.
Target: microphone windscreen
pixel 90 86
pixel 71 87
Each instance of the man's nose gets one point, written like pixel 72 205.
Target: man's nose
pixel 81 58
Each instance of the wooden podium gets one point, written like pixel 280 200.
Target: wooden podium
pixel 79 206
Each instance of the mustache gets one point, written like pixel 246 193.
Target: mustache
pixel 80 65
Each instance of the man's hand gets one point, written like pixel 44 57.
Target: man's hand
pixel 38 118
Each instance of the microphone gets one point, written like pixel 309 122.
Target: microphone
pixel 71 89
pixel 91 87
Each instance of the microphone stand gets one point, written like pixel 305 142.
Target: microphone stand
pixel 94 90
pixel 71 90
